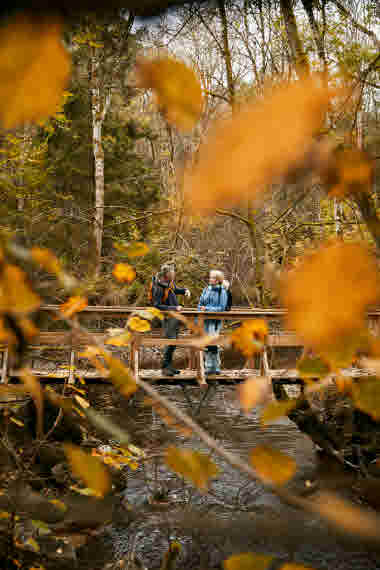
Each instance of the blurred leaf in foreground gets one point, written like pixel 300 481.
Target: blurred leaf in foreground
pixel 176 87
pixel 275 410
pixel 346 516
pixel 248 561
pixel 89 469
pixel 34 68
pixel 124 273
pixel 312 367
pixel 250 337
pixel 366 396
pixel 259 143
pixel 253 392
pixel 72 306
pixel 273 466
pixel 16 295
pixel 135 249
pixel 348 172
pixel 192 465
pixel 327 295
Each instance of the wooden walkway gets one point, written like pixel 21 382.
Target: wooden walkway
pixel 73 343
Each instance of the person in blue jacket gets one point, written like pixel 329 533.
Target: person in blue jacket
pixel 213 298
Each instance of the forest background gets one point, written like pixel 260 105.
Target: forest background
pixel 107 168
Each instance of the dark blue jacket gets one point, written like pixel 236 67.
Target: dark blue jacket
pixel 171 301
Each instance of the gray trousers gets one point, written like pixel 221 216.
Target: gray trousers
pixel 170 328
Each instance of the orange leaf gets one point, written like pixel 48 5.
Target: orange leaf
pixel 89 469
pixel 46 259
pixel 124 273
pixel 253 392
pixel 191 465
pixel 327 295
pixel 347 516
pixel 248 561
pixel 258 144
pixel 34 68
pixel 273 466
pixel 138 325
pixel 250 337
pixel 16 295
pixel 72 306
pixel 178 92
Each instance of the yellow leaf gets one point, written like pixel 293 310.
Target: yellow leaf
pixel 89 469
pixel 253 391
pixel 192 465
pixel 327 295
pixel 73 305
pixel 178 91
pixel 16 295
pixel 138 325
pixel 259 143
pixel 120 340
pixel 275 410
pixel 30 331
pixel 34 387
pixel 248 561
pixel 135 249
pixel 273 466
pixel 34 68
pixel 250 337
pixel 46 259
pixel 124 273
pixel 59 504
pixel 156 313
pixel 347 516
pixel 4 515
pixel 121 376
pixel 33 544
pixel 82 402
pixel 18 423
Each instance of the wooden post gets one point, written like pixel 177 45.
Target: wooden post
pixel 4 367
pixel 135 359
pixel 201 371
pixel 71 368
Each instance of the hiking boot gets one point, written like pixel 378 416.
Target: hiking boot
pixel 175 370
pixel 168 371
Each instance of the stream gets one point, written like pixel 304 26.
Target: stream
pixel 237 515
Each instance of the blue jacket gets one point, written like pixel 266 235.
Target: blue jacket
pixel 214 298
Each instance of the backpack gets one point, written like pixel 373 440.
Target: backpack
pixel 152 291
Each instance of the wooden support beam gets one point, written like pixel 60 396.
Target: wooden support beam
pixel 72 365
pixel 201 377
pixel 135 359
pixel 4 367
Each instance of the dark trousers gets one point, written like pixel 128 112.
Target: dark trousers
pixel 170 329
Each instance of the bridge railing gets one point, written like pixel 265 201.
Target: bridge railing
pixel 73 342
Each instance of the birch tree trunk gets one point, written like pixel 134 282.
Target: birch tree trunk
pixel 99 111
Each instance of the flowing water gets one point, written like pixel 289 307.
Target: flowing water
pixel 250 517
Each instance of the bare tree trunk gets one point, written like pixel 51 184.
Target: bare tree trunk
pixel 299 57
pixel 98 114
pixel 227 52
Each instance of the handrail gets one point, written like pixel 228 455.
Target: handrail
pixel 124 310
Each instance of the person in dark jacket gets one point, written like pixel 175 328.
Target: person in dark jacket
pixel 213 298
pixel 165 298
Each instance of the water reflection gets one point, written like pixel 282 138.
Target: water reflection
pixel 288 534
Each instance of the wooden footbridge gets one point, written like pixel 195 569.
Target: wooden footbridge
pixel 68 344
